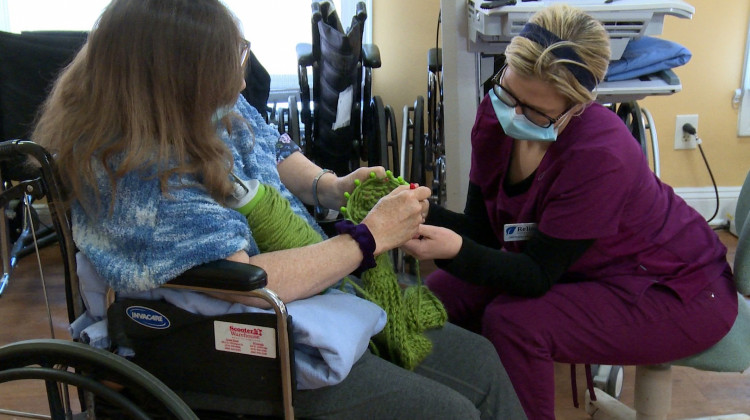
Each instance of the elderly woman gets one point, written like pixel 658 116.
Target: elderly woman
pixel 150 133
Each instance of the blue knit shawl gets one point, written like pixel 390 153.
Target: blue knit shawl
pixel 151 238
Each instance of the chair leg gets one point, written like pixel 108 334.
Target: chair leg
pixel 653 397
pixel 653 391
pixel 606 407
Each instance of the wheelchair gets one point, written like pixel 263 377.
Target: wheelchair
pixel 423 153
pixel 29 63
pixel 338 123
pixel 201 379
pixel 641 125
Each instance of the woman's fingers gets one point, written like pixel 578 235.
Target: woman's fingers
pixel 397 216
pixel 433 242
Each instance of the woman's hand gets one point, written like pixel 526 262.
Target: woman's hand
pixel 397 216
pixel 433 242
pixel 345 184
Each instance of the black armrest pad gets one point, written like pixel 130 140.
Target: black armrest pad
pixel 223 275
pixel 435 59
pixel 371 56
pixel 304 55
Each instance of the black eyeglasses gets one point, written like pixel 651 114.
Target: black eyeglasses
pixel 534 115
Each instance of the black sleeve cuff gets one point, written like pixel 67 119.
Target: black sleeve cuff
pixel 512 273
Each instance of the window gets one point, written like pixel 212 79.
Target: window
pixel 274 27
pixel 23 15
pixel 743 94
pixel 274 40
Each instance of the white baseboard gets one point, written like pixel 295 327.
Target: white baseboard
pixel 703 199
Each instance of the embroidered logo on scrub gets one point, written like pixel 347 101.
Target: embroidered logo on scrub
pixel 147 317
pixel 518 231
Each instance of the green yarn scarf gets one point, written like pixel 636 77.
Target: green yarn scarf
pixel 410 311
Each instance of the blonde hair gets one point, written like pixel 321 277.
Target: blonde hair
pixel 143 90
pixel 579 31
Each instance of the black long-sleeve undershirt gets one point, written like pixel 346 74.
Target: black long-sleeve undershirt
pixel 480 260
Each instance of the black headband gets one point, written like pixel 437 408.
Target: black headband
pixel 546 38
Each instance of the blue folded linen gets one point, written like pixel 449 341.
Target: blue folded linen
pixel 645 56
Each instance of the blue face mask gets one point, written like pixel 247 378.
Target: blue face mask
pixel 518 126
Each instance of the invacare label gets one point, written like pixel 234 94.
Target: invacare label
pixel 245 339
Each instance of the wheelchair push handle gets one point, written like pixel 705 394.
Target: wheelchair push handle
pixel 361 11
pixel 14 148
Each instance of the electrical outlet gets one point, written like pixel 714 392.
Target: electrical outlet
pixel 683 140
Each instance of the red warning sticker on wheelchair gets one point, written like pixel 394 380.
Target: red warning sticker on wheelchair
pixel 246 339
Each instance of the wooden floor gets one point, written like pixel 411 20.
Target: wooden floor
pixel 23 316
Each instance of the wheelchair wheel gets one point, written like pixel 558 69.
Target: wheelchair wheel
pixel 641 125
pixel 614 381
pixel 293 125
pixel 434 101
pixel 435 140
pixel 280 119
pixel 392 140
pixel 96 375
pixel 413 154
pixel 417 169
pixel 609 378
pixel 439 190
pixel 631 115
pixel 381 136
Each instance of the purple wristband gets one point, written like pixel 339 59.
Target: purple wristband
pixel 366 242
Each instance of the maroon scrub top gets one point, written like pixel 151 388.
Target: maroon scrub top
pixel 594 182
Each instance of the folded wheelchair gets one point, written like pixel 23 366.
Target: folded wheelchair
pixel 422 154
pixel 435 144
pixel 340 124
pixel 181 367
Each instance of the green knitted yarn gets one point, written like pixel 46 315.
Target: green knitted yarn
pixel 366 195
pixel 276 226
pixel 411 311
pixel 424 309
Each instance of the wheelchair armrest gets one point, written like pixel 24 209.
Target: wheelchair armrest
pixel 435 59
pixel 304 55
pixel 371 56
pixel 222 275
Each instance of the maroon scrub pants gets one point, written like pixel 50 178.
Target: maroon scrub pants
pixel 587 322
